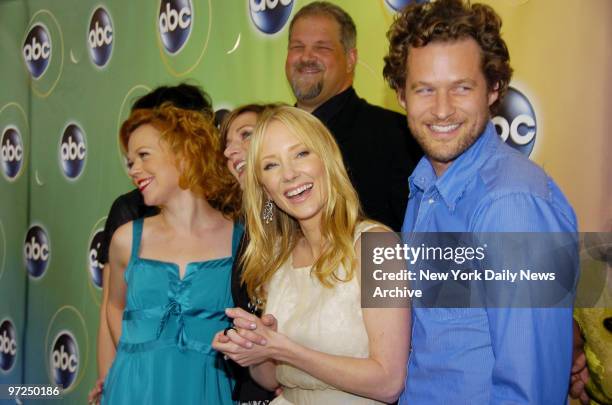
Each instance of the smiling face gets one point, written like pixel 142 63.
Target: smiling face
pixel 152 166
pixel 317 65
pixel 291 174
pixel 237 143
pixel 446 99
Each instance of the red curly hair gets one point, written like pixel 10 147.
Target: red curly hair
pixel 193 138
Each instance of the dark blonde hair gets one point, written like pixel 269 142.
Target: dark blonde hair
pixel 192 138
pixel 238 111
pixel 448 21
pixel 271 244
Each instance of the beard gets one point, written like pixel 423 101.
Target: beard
pixel 305 88
pixel 447 152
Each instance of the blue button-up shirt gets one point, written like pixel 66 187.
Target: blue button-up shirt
pixel 488 355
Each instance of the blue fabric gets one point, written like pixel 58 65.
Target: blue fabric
pixel 164 354
pixel 488 355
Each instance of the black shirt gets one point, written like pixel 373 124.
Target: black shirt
pixel 378 151
pixel 125 208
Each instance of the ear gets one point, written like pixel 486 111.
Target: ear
pixel 493 94
pixel 351 60
pixel 401 98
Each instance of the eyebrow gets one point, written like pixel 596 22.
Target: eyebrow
pixel 292 147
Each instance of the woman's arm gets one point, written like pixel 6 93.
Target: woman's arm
pixel 380 376
pixel 119 257
pixel 106 347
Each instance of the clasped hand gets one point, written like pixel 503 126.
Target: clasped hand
pixel 251 341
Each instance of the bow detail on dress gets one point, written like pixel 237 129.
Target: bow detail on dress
pixel 174 308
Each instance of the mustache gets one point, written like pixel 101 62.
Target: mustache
pixel 309 65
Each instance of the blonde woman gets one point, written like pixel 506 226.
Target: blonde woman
pixel 302 265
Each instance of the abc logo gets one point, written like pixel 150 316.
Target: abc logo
pixel 8 345
pixel 64 360
pixel 100 37
pixel 95 267
pixel 516 121
pixel 37 50
pixel 174 23
pixel 37 251
pixel 270 16
pixel 12 152
pixel 398 5
pixel 72 151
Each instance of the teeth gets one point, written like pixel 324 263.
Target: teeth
pixel 444 128
pixel 144 183
pixel 240 166
pixel 299 190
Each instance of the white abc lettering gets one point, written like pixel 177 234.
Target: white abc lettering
pixel 93 257
pixel 100 36
pixel 170 19
pixel 263 5
pixel 519 139
pixel 35 251
pixel 11 153
pixel 512 129
pixel 35 50
pixel 63 361
pixel 72 150
pixel 502 123
pixel 7 345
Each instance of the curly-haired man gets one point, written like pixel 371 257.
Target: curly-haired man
pixel 450 68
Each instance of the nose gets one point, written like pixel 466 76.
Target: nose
pixel 230 149
pixel 134 169
pixel 307 55
pixel 288 172
pixel 443 107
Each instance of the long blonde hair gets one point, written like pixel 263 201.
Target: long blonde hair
pixel 270 245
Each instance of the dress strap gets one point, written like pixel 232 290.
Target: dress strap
pixel 136 237
pixel 365 226
pixel 236 237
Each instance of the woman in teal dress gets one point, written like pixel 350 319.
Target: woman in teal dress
pixel 170 280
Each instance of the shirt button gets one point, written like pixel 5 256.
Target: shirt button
pixel 431 201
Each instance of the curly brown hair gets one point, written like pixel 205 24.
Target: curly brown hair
pixel 447 21
pixel 192 137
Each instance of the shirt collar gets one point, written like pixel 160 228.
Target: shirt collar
pixel 326 111
pixel 456 178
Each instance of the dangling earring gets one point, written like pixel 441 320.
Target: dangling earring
pixel 268 211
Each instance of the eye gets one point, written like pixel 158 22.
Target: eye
pixel 423 91
pixel 269 166
pixel 463 88
pixel 246 134
pixel 303 153
pixel 143 155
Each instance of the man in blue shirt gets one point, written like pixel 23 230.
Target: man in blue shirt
pixel 450 67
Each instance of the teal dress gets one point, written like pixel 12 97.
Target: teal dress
pixel 164 354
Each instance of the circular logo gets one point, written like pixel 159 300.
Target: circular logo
pixel 270 16
pixel 12 152
pixel 64 359
pixel 95 267
pixel 399 5
pixel 100 37
pixel 8 345
pixel 37 50
pixel 72 151
pixel 515 121
pixel 37 251
pixel 174 23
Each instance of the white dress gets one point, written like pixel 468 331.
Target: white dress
pixel 329 320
